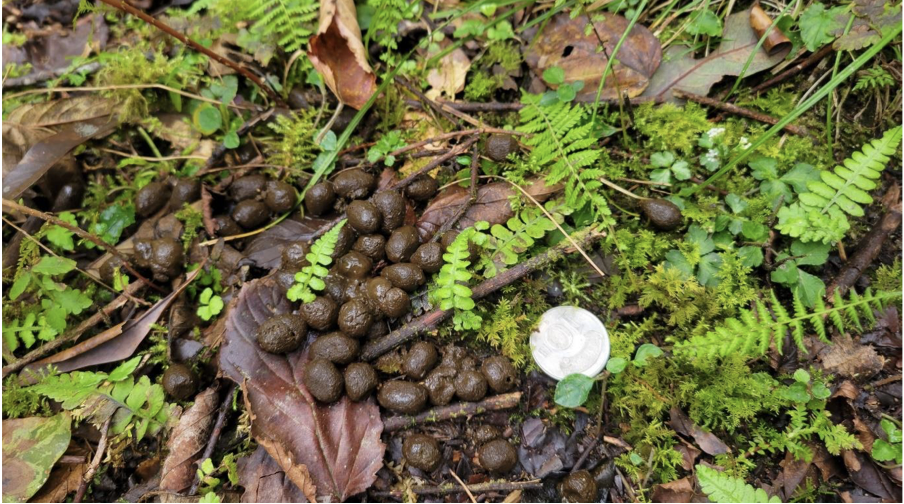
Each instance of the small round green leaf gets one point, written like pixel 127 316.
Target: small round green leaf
pixel 573 390
pixel 207 119
pixel 616 365
pixel 646 351
pixel 554 75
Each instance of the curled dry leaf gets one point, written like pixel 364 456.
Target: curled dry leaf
pixel 187 441
pixel 30 448
pixel 739 41
pixel 492 205
pixel 572 45
pixel 776 41
pixel 339 55
pixel 681 490
pixel 339 443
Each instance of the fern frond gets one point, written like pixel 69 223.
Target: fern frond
pixel 562 143
pixel 310 278
pixel 720 487
pixel 451 290
pixel 819 215
pixel 752 334
pixel 519 234
pixel 138 405
pixel 291 21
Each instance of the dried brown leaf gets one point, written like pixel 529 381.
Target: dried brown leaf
pixel 681 71
pixel 187 441
pixel 448 78
pixel 707 441
pixel 760 22
pixel 266 249
pixel 492 205
pixel 64 480
pixel 569 44
pixel 339 55
pixel 265 481
pixel 865 474
pixel 681 490
pixel 112 345
pixel 852 360
pixel 338 443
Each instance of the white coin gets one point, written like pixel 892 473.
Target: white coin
pixel 570 340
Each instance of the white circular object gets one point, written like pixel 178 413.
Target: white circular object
pixel 570 340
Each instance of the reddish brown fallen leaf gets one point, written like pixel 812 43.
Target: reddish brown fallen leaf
pixel 707 441
pixel 266 249
pixel 680 70
pixel 114 344
pixel 265 481
pixel 187 442
pixel 338 443
pixel 63 480
pixel 689 454
pixel 492 205
pixel 776 41
pixel 681 490
pixel 573 46
pixel 339 55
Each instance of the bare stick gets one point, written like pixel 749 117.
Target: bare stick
pixel 493 486
pixel 463 486
pixel 214 436
pixel 452 411
pixel 95 462
pixel 810 61
pixel 125 7
pixel 82 234
pixel 736 110
pixel 431 319
pixel 73 335
pixel 456 151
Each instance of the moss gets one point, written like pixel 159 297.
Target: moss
pixel 669 127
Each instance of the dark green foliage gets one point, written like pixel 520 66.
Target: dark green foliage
pixel 720 487
pixel 451 290
pixel 310 278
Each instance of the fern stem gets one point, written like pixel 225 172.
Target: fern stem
pixel 559 227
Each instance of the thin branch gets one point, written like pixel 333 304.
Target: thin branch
pixel 95 462
pixel 82 234
pixel 458 410
pixel 214 436
pixel 160 25
pixel 736 110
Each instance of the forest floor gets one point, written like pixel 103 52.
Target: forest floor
pixel 290 250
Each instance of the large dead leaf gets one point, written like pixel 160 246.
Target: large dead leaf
pixel 339 443
pixel 679 69
pixel 265 481
pixel 339 55
pixel 112 345
pixel 64 480
pixel 266 248
pixel 187 442
pixel 492 205
pixel 572 45
pixel 36 136
pixel 851 359
pixel 30 448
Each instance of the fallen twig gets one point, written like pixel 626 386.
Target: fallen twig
pixel 736 110
pixel 458 410
pixel 82 234
pixel 73 335
pixel 95 462
pixel 431 319
pixel 870 245
pixel 160 25
pixel 463 486
pixel 464 208
pixel 455 151
pixel 214 436
pixel 493 486
pixel 810 61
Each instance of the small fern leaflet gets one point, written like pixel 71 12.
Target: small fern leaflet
pixel 720 487
pixel 310 278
